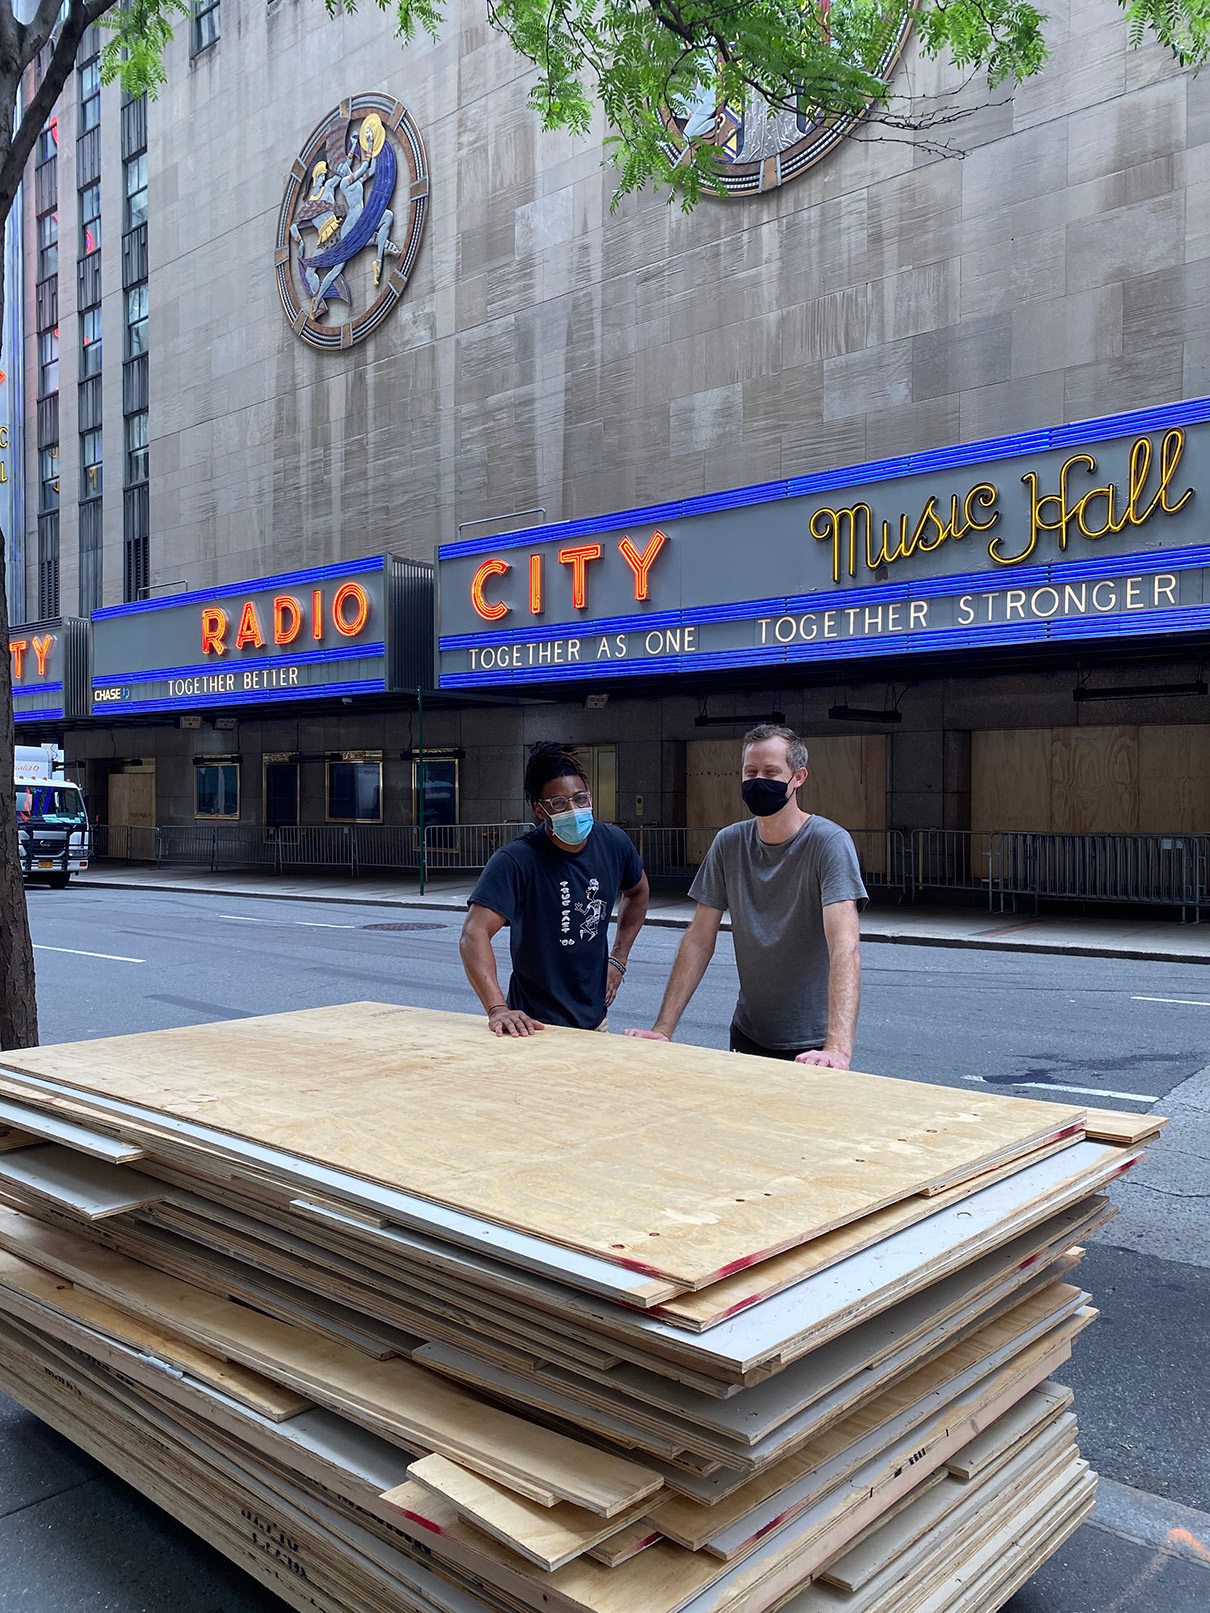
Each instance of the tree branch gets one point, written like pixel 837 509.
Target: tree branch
pixel 79 20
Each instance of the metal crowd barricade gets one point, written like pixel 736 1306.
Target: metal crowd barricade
pixel 454 847
pixel 122 842
pixel 954 860
pixel 1151 870
pixel 1156 870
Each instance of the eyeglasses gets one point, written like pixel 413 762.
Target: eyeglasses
pixel 561 803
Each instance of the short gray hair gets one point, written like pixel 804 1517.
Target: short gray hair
pixel 796 751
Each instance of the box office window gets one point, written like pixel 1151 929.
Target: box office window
pixel 354 792
pixel 217 790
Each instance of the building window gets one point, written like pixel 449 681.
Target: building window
pixel 90 464
pixel 48 362
pixel 48 245
pixel 48 496
pixel 90 218
pixel 136 190
pixel 90 343
pixel 281 794
pixel 136 320
pixel 90 95
pixel 354 792
pixel 217 790
pixel 440 792
pixel 136 448
pixel 205 24
pixel 48 566
pixel 91 556
pixel 48 142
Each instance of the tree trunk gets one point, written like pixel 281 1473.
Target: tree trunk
pixel 18 1000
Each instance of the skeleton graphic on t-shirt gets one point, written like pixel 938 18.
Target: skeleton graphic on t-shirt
pixel 593 909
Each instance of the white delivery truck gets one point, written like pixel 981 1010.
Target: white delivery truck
pixel 52 818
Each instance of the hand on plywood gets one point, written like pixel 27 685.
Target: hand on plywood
pixel 648 1036
pixel 832 1058
pixel 504 1021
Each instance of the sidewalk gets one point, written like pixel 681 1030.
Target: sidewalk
pixel 1077 935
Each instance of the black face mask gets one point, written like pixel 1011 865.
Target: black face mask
pixel 764 796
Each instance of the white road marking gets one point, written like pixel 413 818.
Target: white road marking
pixel 1189 1002
pixel 76 952
pixel 1055 1086
pixel 242 918
pixel 314 924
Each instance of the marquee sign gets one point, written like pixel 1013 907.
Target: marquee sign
pixel 1079 532
pixel 358 628
pixel 48 662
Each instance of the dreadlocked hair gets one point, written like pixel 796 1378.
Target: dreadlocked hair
pixel 550 761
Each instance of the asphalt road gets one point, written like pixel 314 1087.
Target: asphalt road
pixel 75 1540
pixel 1112 1028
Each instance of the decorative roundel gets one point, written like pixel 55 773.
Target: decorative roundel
pixel 762 151
pixel 351 221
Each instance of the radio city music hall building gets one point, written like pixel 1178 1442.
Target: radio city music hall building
pixel 910 448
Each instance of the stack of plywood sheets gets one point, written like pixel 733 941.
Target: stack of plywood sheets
pixel 402 1316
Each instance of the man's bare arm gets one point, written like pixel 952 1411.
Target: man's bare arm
pixel 632 910
pixel 479 961
pixel 840 927
pixel 692 957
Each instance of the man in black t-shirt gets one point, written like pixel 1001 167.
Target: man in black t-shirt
pixel 555 889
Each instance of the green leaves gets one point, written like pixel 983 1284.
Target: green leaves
pixel 678 80
pixel 138 33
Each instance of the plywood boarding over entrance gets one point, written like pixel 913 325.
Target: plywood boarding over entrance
pixel 650 1154
pixel 1092 780
pixel 846 781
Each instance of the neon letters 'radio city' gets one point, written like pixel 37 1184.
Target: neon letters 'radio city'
pixel 350 611
pixel 41 648
pixel 578 558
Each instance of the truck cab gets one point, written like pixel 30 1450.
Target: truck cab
pixel 52 817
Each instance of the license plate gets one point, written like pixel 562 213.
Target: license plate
pixel 46 865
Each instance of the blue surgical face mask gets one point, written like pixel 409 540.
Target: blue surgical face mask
pixel 572 827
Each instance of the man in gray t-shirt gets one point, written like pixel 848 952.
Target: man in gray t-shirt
pixel 792 884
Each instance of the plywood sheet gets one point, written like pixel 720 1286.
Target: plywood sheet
pixel 1174 779
pixel 1094 780
pixel 88 1188
pixel 627 1543
pixel 10 1139
pixel 54 1128
pixel 1116 1126
pixel 547 1536
pixel 672 1169
pixel 846 779
pixel 1010 779
pixel 21 1280
pixel 399 1398
pixel 712 779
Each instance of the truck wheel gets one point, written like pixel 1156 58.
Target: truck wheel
pixel 59 881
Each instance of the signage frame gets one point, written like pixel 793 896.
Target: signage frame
pixel 517 655
pixel 394 652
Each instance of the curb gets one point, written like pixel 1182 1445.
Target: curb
pixel 1075 949
pixel 1152 1520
